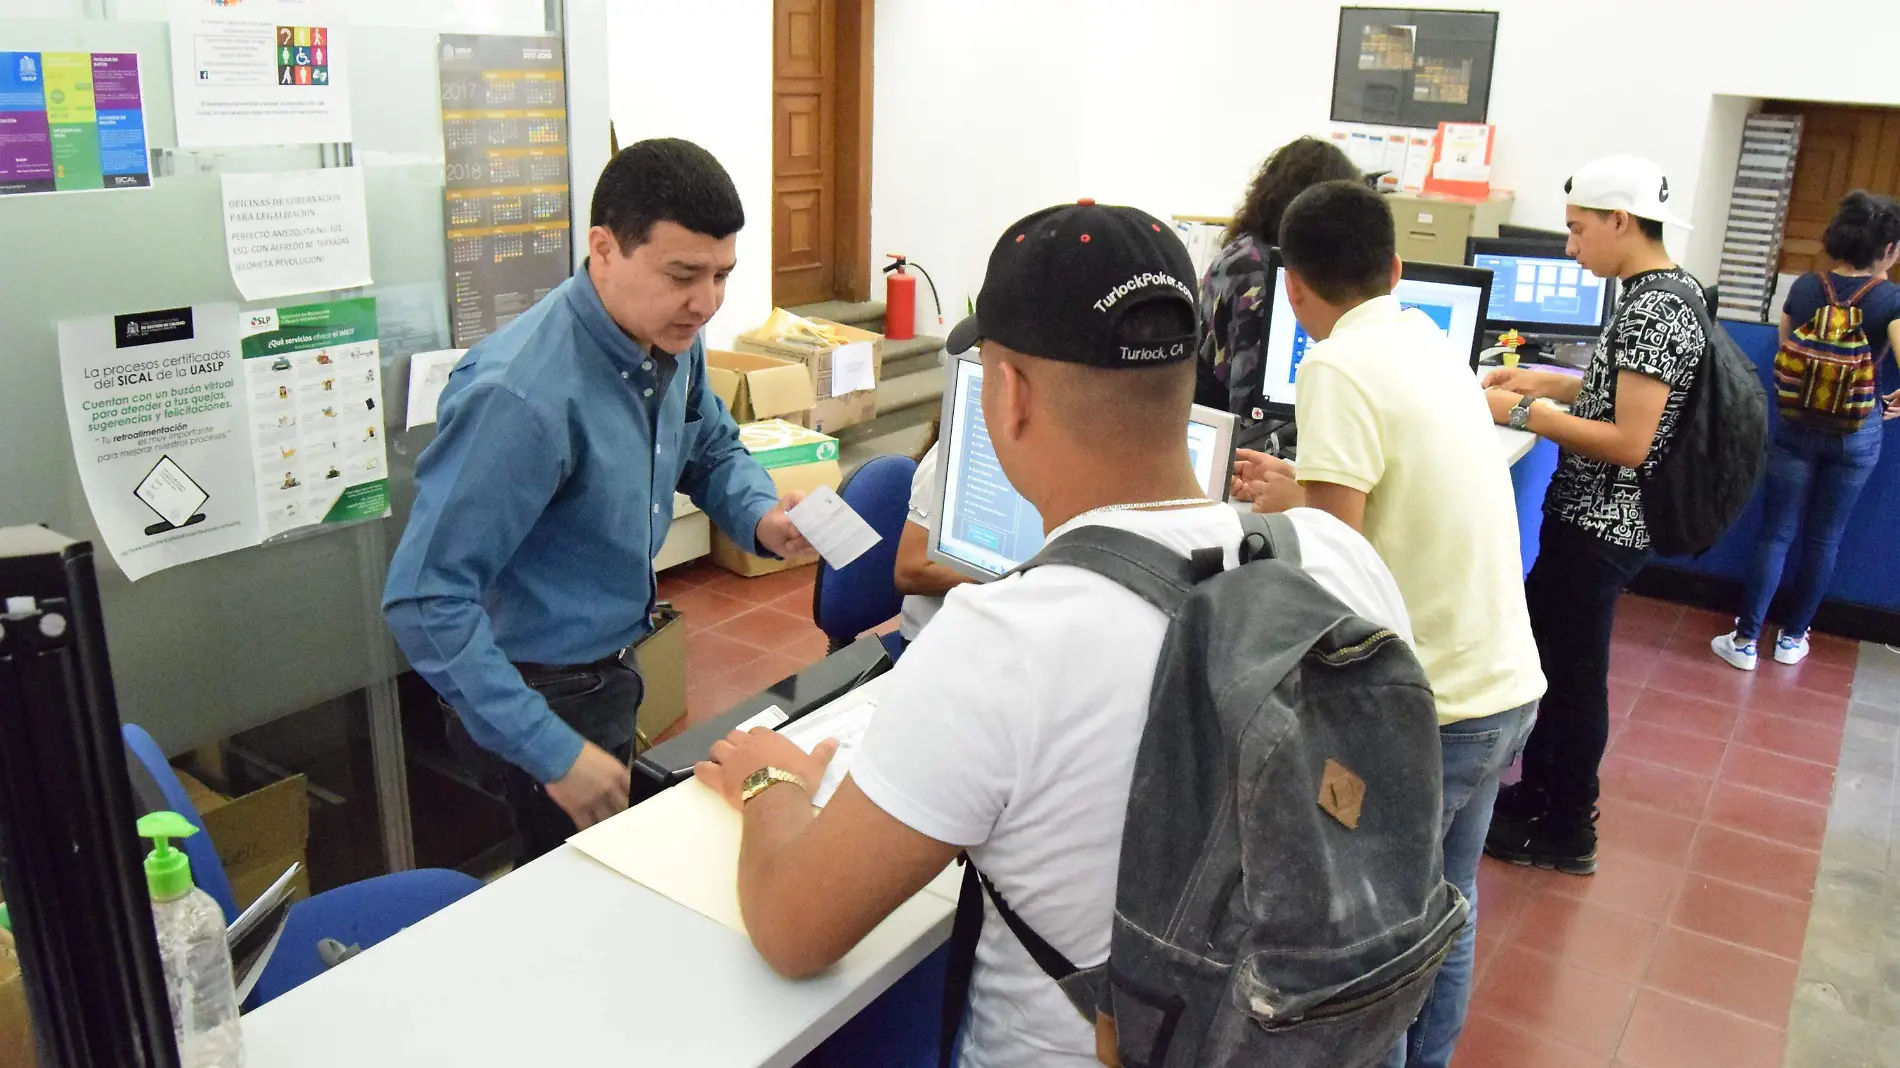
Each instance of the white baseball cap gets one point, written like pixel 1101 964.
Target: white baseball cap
pixel 1624 183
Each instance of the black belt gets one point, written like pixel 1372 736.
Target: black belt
pixel 623 658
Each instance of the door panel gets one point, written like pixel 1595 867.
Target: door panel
pixel 1842 149
pixel 804 155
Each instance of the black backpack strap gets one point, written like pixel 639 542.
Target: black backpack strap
pixel 1268 537
pixel 1153 572
pixel 964 933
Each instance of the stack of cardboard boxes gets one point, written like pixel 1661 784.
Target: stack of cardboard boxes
pixel 781 393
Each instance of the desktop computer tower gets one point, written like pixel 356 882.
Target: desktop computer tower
pixel 69 861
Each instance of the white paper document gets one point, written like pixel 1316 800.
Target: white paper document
pixel 773 718
pixel 852 368
pixel 838 532
pixel 843 722
pixel 264 72
pixel 289 232
pixel 428 376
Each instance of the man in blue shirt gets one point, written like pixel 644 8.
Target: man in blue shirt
pixel 526 571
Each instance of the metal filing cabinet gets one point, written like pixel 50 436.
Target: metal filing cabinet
pixel 1433 229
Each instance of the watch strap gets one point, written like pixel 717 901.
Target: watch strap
pixel 767 777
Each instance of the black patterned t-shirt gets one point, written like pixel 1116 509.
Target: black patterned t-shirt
pixel 1656 333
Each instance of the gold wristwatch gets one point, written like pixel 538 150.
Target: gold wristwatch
pixel 767 777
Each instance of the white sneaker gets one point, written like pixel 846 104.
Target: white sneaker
pixel 1790 649
pixel 1739 654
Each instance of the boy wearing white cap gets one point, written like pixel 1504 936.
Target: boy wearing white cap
pixel 1623 413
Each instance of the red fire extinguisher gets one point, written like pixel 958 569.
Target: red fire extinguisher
pixel 900 299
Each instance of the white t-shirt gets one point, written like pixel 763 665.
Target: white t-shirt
pixel 918 609
pixel 1010 729
pixel 1387 407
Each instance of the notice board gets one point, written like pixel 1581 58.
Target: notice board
pixel 1410 67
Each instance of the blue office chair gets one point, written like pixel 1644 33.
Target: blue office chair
pixel 360 914
pixel 847 602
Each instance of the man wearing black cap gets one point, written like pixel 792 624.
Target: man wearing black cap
pixel 1009 729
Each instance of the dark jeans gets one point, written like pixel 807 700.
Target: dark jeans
pixel 1814 479
pixel 1572 593
pixel 601 701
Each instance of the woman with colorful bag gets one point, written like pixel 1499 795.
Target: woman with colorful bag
pixel 1835 330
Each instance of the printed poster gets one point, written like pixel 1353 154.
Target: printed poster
pixel 313 378
pixel 155 405
pixel 259 72
pixel 289 232
pixel 504 139
pixel 203 430
pixel 71 121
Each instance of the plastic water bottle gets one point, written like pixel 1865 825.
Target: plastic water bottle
pixel 192 946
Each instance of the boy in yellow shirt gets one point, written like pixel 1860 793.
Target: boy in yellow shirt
pixel 1396 439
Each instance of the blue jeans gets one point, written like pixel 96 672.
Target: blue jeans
pixel 1814 479
pixel 1476 752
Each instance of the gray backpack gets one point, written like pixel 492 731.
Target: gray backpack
pixel 1281 897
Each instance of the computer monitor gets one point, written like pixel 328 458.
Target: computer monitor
pixel 1538 290
pixel 982 527
pixel 1454 298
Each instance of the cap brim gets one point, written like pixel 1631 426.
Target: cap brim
pixel 964 337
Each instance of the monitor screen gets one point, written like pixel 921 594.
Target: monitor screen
pixel 1532 292
pixel 983 528
pixel 1453 298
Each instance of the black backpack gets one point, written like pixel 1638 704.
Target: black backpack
pixel 1281 898
pixel 1705 475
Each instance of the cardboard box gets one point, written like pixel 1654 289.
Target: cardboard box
pixel 257 836
pixel 662 659
pixel 690 536
pixel 798 459
pixel 829 414
pixel 756 387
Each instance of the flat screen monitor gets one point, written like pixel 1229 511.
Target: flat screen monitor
pixel 1537 289
pixel 982 527
pixel 1454 298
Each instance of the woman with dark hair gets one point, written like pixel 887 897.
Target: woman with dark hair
pixel 1817 467
pixel 1234 299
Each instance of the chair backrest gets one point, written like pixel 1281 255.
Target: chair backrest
pixel 206 869
pixel 847 602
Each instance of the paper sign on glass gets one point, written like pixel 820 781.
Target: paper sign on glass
pixel 852 368
pixel 261 72
pixel 289 232
pixel 428 376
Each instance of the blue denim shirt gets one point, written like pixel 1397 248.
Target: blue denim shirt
pixel 540 505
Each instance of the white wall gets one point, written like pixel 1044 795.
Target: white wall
pixel 1178 102
pixel 703 71
pixel 975 125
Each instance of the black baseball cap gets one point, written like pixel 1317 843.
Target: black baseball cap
pixel 1062 281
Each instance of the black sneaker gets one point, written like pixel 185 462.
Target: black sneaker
pixel 1519 802
pixel 1568 846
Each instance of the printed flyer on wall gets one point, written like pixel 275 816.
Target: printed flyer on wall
pixel 203 430
pixel 71 121
pixel 312 374
pixel 258 72
pixel 155 404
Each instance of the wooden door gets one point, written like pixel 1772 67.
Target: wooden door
pixel 804 151
pixel 1842 149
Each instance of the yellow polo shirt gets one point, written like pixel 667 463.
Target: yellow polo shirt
pixel 1388 407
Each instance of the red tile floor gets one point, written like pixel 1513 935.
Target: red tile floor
pixel 1681 952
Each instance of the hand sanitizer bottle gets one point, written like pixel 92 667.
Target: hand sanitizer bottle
pixel 192 946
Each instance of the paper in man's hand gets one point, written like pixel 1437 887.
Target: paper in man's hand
pixel 838 533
